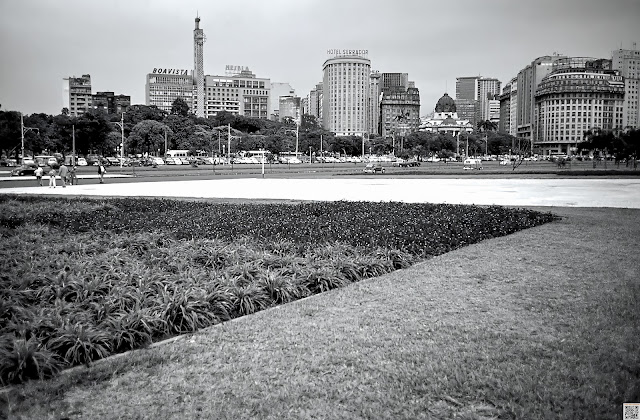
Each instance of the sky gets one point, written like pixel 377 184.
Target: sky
pixel 118 42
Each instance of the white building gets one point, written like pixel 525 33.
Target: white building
pixel 278 90
pixel 165 85
pixel 76 94
pixel 242 94
pixel 346 94
pixel 627 62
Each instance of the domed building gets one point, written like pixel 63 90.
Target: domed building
pixel 445 119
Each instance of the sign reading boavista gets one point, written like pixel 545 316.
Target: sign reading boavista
pixel 179 72
pixel 347 52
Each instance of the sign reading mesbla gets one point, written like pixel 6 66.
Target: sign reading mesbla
pixel 179 72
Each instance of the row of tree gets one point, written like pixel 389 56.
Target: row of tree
pixel 147 129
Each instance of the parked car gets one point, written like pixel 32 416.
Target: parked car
pixel 113 161
pixel 157 161
pixel 26 169
pixel 472 164
pixel 373 168
pixel 81 162
pixel 93 160
pixel 406 163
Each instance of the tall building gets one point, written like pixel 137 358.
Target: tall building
pixel 76 95
pixel 110 103
pixel 315 102
pixel 291 107
pixel 579 94
pixel 478 89
pixel 346 94
pixel 278 90
pixel 242 94
pixel 164 86
pixel 374 103
pixel 627 62
pixel 399 105
pixel 198 69
pixel 528 80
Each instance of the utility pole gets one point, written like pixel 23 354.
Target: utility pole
pixel 228 142
pixel 73 144
pixel 165 142
pixel 121 125
pixel 23 130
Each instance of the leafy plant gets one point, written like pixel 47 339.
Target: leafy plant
pixel 22 359
pixel 81 344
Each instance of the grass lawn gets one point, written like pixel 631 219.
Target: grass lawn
pixel 543 323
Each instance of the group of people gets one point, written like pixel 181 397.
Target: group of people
pixel 67 176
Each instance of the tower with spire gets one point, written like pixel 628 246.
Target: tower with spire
pixel 198 68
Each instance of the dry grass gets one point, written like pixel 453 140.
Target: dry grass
pixel 539 324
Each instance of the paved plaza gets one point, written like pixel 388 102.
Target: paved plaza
pixel 582 192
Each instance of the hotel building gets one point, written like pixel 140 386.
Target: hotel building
pixel 76 95
pixel 577 95
pixel 346 94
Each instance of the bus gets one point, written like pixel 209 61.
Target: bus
pixel 177 153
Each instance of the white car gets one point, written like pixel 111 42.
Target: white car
pixel 81 162
pixel 158 161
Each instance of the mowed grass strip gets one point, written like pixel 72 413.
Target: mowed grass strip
pixel 539 324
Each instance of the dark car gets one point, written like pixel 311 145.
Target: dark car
pixel 373 168
pixel 26 169
pixel 409 164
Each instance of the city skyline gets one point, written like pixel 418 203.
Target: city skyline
pixel 285 41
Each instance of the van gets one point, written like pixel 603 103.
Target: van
pixel 472 164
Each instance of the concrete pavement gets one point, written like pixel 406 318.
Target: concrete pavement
pixel 581 192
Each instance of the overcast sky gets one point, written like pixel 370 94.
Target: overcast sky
pixel 118 42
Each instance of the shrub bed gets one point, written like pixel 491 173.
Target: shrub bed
pixel 81 279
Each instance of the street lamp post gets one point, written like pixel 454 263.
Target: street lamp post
pixel 23 130
pixel 121 125
pixel 486 145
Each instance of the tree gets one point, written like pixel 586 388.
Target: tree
pixel 179 107
pixel 147 137
pixel 10 136
pixel 486 125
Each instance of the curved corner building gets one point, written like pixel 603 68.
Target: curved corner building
pixel 345 95
pixel 579 94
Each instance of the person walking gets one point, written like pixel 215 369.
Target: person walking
pixel 52 178
pixel 101 172
pixel 38 173
pixel 64 172
pixel 73 178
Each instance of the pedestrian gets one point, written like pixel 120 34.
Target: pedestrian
pixel 73 179
pixel 38 173
pixel 64 172
pixel 52 178
pixel 101 172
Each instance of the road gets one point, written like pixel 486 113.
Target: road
pixel 350 185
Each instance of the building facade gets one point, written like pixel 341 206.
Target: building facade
pixel 445 119
pixel 278 90
pixel 315 103
pixel 399 105
pixel 242 94
pixel 375 93
pixel 76 95
pixel 290 107
pixel 110 103
pixel 346 94
pixel 579 94
pixel 476 90
pixel 528 80
pixel 164 86
pixel 627 62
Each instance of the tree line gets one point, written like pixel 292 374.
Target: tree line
pixel 149 130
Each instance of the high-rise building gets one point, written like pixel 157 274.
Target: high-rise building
pixel 242 94
pixel 110 103
pixel 509 107
pixel 478 89
pixel 76 94
pixel 164 86
pixel 315 102
pixel 346 94
pixel 278 90
pixel 399 106
pixel 528 80
pixel 198 70
pixel 290 106
pixel 374 103
pixel 627 62
pixel 577 95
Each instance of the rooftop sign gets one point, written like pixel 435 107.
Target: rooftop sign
pixel 337 52
pixel 179 72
